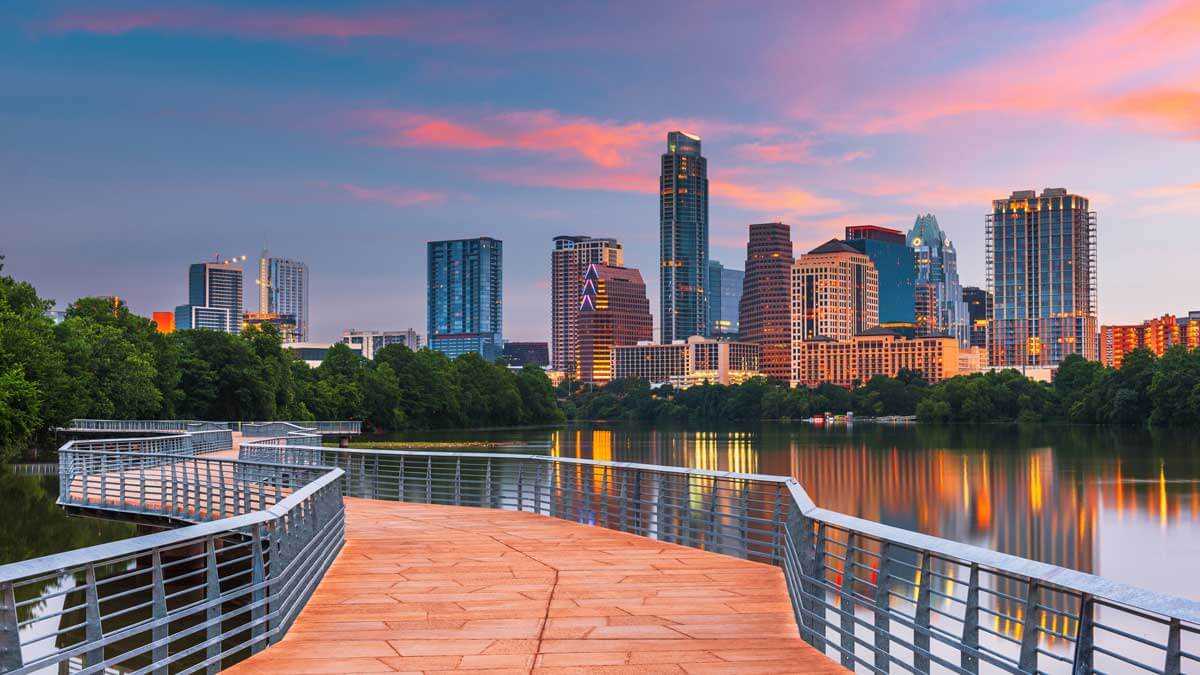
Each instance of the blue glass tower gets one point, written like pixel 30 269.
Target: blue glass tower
pixel 466 297
pixel 724 292
pixel 939 306
pixel 894 261
pixel 214 298
pixel 683 238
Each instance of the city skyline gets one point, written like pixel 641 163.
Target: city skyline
pixel 125 120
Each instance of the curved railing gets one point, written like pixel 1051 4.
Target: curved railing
pixel 257 429
pixel 875 597
pixel 196 598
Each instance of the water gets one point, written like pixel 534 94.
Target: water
pixel 1124 504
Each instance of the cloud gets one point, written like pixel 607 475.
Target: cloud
pixel 1167 110
pixel 794 152
pixel 1164 199
pixel 607 181
pixel 395 197
pixel 780 201
pixel 928 195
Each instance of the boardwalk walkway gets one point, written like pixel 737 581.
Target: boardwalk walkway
pixel 427 588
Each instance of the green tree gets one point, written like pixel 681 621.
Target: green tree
pixel 1172 387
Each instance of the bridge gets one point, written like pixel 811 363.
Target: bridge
pixel 285 556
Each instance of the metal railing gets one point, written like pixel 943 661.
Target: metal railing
pixel 877 598
pixel 128 425
pixel 270 429
pixel 187 600
pixel 256 429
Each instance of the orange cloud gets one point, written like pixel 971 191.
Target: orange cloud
pixel 777 201
pixel 1183 198
pixel 927 195
pixel 1171 110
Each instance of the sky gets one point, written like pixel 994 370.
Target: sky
pixel 139 137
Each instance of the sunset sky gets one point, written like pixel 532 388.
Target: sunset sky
pixel 136 138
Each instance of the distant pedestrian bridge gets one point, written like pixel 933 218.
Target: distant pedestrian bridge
pixel 376 560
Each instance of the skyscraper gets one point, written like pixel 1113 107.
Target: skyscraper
pixel 724 292
pixel 613 311
pixel 835 293
pixel 683 237
pixel 894 261
pixel 764 314
pixel 939 306
pixel 979 307
pixel 1041 270
pixel 283 291
pixel 568 262
pixel 466 297
pixel 214 298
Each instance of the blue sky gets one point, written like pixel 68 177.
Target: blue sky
pixel 140 137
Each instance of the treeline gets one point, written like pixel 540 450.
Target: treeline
pixel 103 361
pixel 1144 390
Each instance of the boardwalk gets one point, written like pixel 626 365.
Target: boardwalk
pixel 422 588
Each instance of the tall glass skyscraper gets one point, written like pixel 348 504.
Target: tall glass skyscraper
pixel 683 238
pixel 1041 270
pixel 939 306
pixel 466 297
pixel 283 291
pixel 724 292
pixel 214 298
pixel 896 266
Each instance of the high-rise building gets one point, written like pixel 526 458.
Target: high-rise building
pixel 613 311
pixel 214 298
pixel 724 292
pixel 568 262
pixel 876 351
pixel 466 297
pixel 527 354
pixel 685 363
pixel 765 312
pixel 894 262
pixel 1041 270
pixel 369 342
pixel 835 293
pixel 683 238
pixel 283 291
pixel 979 307
pixel 284 323
pixel 938 302
pixel 1158 335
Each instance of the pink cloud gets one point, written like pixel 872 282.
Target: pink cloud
pixel 608 181
pixel 926 194
pixel 780 201
pixel 1181 198
pixel 1169 110
pixel 396 197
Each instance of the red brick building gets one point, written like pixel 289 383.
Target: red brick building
pixel 765 314
pixel 613 311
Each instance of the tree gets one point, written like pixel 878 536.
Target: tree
pixel 1172 386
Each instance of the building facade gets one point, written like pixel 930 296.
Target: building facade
pixel 896 265
pixel 283 291
pixel 835 293
pixel 765 312
pixel 284 323
pixel 724 292
pixel 568 262
pixel 685 363
pixel 466 297
pixel 1158 335
pixel 878 351
pixel 938 306
pixel 214 298
pixel 979 310
pixel 527 354
pixel 1041 269
pixel 369 342
pixel 683 238
pixel 613 311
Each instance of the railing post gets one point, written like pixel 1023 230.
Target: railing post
pixel 213 613
pixel 812 567
pixel 94 631
pixel 10 635
pixel 777 534
pixel 1029 629
pixel 710 533
pixel 521 485
pixel 1085 639
pixel 882 601
pixel 488 498
pixel 429 480
pixel 848 603
pixel 921 616
pixel 970 633
pixel 158 611
pixel 258 595
pixel 400 481
pixel 458 481
pixel 1174 649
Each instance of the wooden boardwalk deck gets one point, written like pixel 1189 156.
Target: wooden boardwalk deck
pixel 426 588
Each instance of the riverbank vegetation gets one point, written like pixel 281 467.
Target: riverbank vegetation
pixel 102 361
pixel 1145 390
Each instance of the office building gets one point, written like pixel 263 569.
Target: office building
pixel 724 292
pixel 214 298
pixel 164 322
pixel 1041 270
pixel 683 238
pixel 972 360
pixel 613 311
pixel 835 293
pixel 685 363
pixel 938 298
pixel 466 297
pixel 527 354
pixel 286 324
pixel 568 261
pixel 896 266
pixel 1158 335
pixel 283 291
pixel 369 342
pixel 765 312
pixel 979 308
pixel 311 353
pixel 877 351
